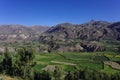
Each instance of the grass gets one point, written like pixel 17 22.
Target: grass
pixel 83 60
pixel 39 67
pixel 113 57
pixel 107 69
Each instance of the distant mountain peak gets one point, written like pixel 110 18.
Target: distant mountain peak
pixel 93 30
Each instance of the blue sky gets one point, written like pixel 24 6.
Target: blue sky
pixel 52 12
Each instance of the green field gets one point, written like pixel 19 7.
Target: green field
pixel 71 62
pixel 81 60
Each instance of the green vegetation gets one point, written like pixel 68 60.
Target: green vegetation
pixel 83 60
pixel 107 69
pixel 20 66
pixel 28 65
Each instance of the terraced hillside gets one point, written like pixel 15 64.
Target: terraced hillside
pixel 70 61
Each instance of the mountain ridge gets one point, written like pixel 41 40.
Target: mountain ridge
pixel 89 36
pixel 94 29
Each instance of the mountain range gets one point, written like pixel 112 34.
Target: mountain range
pixel 66 36
pixel 90 36
pixel 13 33
pixel 93 30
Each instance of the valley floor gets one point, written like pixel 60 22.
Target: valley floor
pixel 70 61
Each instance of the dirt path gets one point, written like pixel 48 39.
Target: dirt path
pixel 112 64
pixel 66 63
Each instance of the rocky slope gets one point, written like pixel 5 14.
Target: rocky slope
pixel 13 36
pixel 13 33
pixel 88 35
pixel 93 30
pixel 62 37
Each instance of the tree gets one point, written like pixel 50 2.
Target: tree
pixel 24 62
pixel 76 75
pixel 115 76
pixel 82 74
pixel 70 76
pixel 6 64
pixel 58 73
pixel 41 76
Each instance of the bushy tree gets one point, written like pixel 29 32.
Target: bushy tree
pixel 69 76
pixel 76 75
pixel 41 76
pixel 115 76
pixel 24 62
pixel 58 73
pixel 6 64
pixel 87 74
